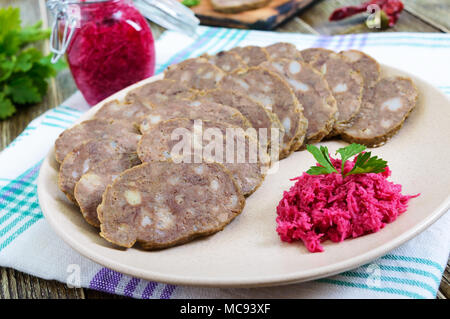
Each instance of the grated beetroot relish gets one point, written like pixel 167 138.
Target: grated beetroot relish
pixel 330 207
pixel 112 49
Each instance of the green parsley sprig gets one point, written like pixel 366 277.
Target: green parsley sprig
pixel 365 162
pixel 24 70
pixel 190 3
pixel 323 158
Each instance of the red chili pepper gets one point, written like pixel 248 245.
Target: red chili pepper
pixel 391 8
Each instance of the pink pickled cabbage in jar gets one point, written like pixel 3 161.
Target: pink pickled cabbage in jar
pixel 112 48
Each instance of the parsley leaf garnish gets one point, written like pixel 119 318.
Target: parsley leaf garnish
pixel 24 70
pixel 365 162
pixel 190 3
pixel 323 158
pixel 349 151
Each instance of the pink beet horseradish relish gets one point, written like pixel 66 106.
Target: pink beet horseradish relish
pixel 112 47
pixel 334 201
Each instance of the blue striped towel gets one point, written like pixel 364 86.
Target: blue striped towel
pixel 28 244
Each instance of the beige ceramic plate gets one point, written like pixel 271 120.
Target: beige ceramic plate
pixel 248 252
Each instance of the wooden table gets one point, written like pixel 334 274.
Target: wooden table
pixel 419 16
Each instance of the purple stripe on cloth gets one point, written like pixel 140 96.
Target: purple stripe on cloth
pixel 340 43
pixel 131 286
pixel 323 41
pixel 106 280
pixel 149 289
pixel 167 292
pixel 7 190
pixel 363 41
pixel 31 172
pixel 351 41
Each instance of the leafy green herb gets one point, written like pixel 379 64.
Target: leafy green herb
pixel 24 70
pixel 190 3
pixel 365 162
pixel 322 157
pixel 349 151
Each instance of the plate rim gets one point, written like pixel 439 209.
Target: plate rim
pixel 273 280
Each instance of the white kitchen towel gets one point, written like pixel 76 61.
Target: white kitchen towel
pixel 28 244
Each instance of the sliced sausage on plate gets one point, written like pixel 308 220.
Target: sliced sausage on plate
pixel 82 158
pixel 162 204
pixel 275 94
pixel 125 132
pixel 347 87
pixel 196 73
pixel 384 109
pixel 91 186
pixel 228 61
pixel 284 50
pixel 252 55
pixel 193 141
pixel 159 92
pixel 312 91
pixel 258 116
pixel 130 111
pixel 345 83
pixel 194 109
pixel 316 56
pixel 367 66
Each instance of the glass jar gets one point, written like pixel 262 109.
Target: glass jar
pixel 108 45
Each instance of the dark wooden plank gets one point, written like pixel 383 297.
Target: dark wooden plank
pixel 17 285
pixel 296 25
pixel 444 288
pixel 265 18
pixel 434 12
pixel 317 17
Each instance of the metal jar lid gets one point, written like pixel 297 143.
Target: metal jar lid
pixel 169 14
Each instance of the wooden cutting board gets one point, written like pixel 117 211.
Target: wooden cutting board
pixel 266 18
